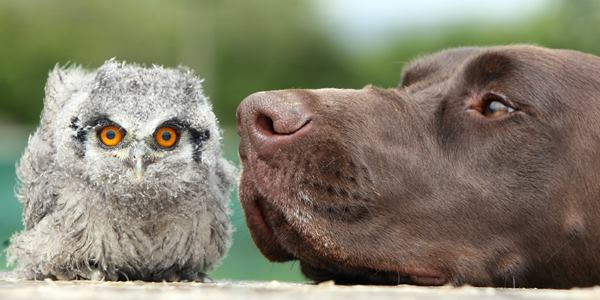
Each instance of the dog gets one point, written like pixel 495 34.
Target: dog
pixel 482 167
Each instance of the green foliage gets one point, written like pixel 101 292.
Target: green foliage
pixel 239 46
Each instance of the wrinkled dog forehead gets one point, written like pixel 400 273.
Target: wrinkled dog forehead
pixel 138 97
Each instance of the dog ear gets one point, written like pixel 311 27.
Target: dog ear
pixel 416 72
pixel 445 62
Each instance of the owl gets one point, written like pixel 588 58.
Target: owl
pixel 123 179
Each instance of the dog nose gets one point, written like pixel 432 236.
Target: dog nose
pixel 267 121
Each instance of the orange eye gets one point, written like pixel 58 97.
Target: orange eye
pixel 165 137
pixel 110 136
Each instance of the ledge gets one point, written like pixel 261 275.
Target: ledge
pixel 15 289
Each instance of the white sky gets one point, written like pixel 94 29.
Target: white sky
pixel 350 21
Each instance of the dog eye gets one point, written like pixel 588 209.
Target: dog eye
pixel 490 106
pixel 496 109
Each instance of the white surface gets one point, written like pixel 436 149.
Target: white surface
pixel 10 289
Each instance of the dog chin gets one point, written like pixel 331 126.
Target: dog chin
pixel 315 264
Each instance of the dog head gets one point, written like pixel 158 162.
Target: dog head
pixel 482 168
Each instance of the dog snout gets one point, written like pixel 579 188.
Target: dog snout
pixel 268 121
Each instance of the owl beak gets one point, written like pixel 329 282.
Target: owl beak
pixel 138 158
pixel 139 168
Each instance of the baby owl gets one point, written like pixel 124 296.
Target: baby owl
pixel 123 179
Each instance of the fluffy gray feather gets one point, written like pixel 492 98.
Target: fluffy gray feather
pixel 132 211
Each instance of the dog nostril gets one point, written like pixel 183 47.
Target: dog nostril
pixel 280 126
pixel 265 125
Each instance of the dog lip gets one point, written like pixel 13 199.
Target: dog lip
pixel 261 232
pixel 420 276
pixel 379 274
pixel 428 276
pixel 428 280
pixel 416 276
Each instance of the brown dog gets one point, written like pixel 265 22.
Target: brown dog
pixel 482 168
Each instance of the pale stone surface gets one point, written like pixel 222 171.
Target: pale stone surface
pixel 13 289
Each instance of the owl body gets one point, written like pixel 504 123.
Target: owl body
pixel 124 178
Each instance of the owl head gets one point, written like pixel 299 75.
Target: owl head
pixel 137 136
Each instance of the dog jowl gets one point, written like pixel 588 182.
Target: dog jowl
pixel 482 167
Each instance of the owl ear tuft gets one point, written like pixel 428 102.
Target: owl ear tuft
pixel 62 82
pixel 104 71
pixel 192 83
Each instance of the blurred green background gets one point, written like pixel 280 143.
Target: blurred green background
pixel 240 47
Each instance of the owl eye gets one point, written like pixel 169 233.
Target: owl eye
pixel 110 135
pixel 165 137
